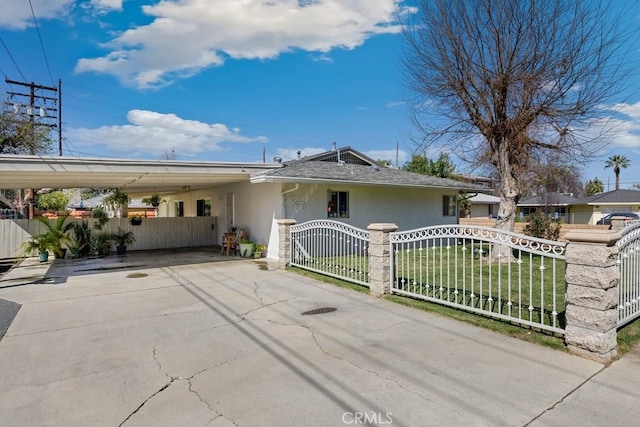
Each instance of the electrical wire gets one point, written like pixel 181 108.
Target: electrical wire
pixel 13 60
pixel 44 53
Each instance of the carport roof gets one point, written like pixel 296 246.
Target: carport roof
pixel 133 176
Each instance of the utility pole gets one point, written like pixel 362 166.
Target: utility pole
pixel 36 105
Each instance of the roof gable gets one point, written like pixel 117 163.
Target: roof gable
pixel 343 155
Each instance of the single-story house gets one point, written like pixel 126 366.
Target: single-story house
pixel 596 206
pixel 342 184
pixel 558 204
pixel 586 210
pixel 484 206
pixel 84 208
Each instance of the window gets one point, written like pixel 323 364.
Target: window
pixel 449 205
pixel 338 205
pixel 179 208
pixel 203 207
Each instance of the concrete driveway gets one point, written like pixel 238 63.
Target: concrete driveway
pixel 196 339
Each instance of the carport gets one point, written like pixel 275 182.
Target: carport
pixel 135 177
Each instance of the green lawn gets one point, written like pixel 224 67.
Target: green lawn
pixel 528 286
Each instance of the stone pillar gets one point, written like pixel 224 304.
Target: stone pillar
pixel 618 223
pixel 379 258
pixel 592 278
pixel 284 241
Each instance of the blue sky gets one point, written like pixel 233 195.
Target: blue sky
pixel 224 80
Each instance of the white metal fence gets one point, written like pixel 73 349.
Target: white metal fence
pixel 483 270
pixel 629 263
pixel 331 248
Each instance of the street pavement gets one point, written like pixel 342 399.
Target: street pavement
pixel 193 338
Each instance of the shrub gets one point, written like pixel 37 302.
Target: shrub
pixel 541 226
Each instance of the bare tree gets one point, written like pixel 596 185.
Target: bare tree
pixel 505 82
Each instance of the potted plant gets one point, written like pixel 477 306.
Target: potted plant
pixel 136 220
pixel 258 250
pixel 39 244
pixel 81 245
pixel 246 248
pixel 101 244
pixel 153 201
pixel 57 234
pixel 122 239
pixel 101 217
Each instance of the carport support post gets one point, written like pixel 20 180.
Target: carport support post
pixel 379 258
pixel 284 241
pixel 592 276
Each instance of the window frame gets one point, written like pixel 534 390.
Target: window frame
pixel 449 209
pixel 338 204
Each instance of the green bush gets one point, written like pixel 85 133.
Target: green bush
pixel 541 226
pixel 54 201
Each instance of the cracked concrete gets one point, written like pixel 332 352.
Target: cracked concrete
pixel 224 344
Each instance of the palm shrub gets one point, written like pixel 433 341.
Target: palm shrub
pixel 82 243
pixel 57 233
pixel 38 244
pixel 123 238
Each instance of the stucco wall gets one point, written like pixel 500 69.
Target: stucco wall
pixel 407 207
pixel 254 207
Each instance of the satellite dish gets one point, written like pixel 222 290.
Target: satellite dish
pixel 277 159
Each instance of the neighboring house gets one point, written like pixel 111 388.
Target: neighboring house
pixel 84 208
pixel 593 208
pixel 559 205
pixel 586 210
pixel 484 206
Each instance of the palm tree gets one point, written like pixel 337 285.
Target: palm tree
pixel 617 161
pixel 594 186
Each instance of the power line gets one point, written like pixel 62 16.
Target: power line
pixel 13 60
pixel 35 21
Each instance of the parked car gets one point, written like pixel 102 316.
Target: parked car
pixel 606 220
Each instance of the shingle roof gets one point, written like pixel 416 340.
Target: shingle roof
pixel 554 199
pixel 314 169
pixel 615 196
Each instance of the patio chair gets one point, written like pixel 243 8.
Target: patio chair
pixel 233 244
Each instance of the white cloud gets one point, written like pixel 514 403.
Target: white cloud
pixel 189 35
pixel 150 134
pixel 624 122
pixel 107 4
pixel 16 14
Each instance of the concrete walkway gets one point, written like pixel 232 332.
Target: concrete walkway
pixel 196 339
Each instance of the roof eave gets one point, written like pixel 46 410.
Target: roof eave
pixel 259 179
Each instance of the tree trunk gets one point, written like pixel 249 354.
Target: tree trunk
pixel 509 196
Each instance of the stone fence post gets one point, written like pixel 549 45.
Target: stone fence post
pixel 592 278
pixel 284 241
pixel 379 256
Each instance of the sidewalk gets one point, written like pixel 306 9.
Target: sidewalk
pixel 200 339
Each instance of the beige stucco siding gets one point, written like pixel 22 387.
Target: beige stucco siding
pixel 407 207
